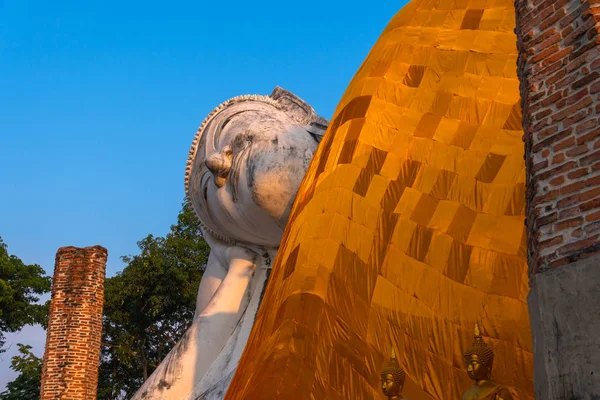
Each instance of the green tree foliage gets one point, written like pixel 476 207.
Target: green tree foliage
pixel 20 287
pixel 27 385
pixel 150 305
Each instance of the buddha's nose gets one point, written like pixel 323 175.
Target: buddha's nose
pixel 219 164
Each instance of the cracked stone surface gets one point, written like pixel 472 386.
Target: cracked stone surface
pixel 564 308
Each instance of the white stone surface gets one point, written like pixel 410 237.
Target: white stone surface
pixel 215 381
pixel 245 166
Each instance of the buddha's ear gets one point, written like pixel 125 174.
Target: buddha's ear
pixel 300 111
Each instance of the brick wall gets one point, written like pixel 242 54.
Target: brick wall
pixel 72 355
pixel 559 69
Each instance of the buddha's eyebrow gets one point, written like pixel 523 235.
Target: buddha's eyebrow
pixel 226 122
pixel 217 134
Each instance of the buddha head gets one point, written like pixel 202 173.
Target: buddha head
pixel 246 163
pixel 392 378
pixel 479 358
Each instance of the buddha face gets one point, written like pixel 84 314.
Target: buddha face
pixel 476 369
pixel 249 165
pixel 389 386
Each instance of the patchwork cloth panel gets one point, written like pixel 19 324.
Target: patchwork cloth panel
pixel 409 225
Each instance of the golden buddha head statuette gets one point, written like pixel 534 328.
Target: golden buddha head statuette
pixel 392 378
pixel 479 358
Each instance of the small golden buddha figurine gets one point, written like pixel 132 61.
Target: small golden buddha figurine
pixel 479 359
pixel 392 379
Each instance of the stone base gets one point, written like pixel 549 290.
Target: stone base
pixel 564 307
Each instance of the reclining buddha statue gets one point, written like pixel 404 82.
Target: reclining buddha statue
pixel 407 228
pixel 244 168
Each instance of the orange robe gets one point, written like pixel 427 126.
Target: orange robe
pixel 409 225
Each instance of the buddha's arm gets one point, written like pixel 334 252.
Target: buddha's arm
pixel 211 280
pixel 213 275
pixel 191 357
pixel 228 296
pixel 217 321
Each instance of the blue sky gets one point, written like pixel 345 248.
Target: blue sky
pixel 99 102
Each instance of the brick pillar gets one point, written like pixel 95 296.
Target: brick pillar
pixel 559 69
pixel 72 355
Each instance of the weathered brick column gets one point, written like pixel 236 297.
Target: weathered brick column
pixel 559 69
pixel 72 355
